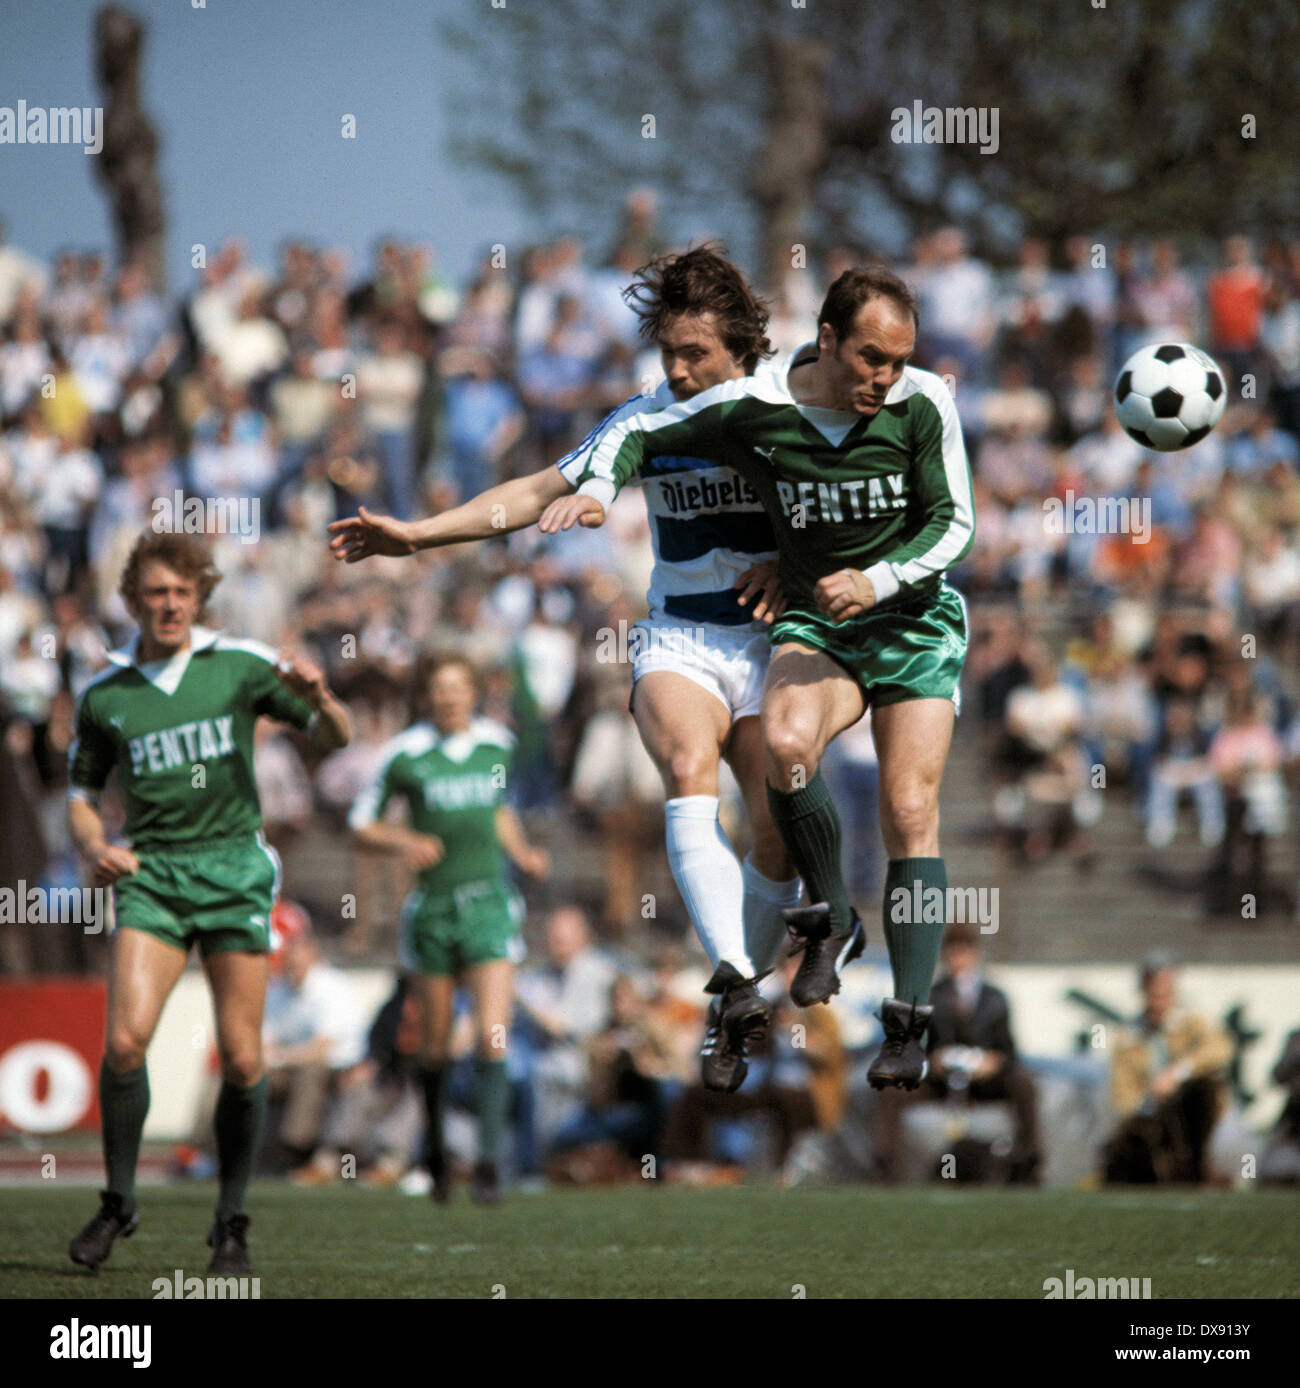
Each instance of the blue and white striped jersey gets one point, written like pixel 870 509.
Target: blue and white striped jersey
pixel 707 526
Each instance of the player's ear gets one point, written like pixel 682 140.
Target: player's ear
pixel 826 339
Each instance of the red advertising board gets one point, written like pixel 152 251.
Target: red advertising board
pixel 51 1041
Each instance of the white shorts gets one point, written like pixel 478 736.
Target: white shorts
pixel 730 662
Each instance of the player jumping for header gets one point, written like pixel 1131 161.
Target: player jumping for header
pixel 174 713
pixel 700 658
pixel 859 461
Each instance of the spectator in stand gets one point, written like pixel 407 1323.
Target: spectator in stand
pixel 1166 1085
pixel 24 360
pixel 1246 755
pixel 1271 589
pixel 561 1004
pixel 1280 1164
pixel 1235 298
pixel 958 305
pixel 1165 298
pixel 19 275
pixel 375 1116
pixel 139 315
pixel 482 420
pixel 390 380
pixel 624 1109
pixel 1180 766
pixel 1261 445
pixel 1280 338
pixel 313 1034
pixel 1046 800
pixel 973 1061
pixel 556 379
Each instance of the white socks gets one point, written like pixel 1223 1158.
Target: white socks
pixel 764 924
pixel 709 878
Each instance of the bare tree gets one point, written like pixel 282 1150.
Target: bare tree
pixel 128 163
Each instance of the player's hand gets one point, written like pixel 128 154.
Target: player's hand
pixel 423 851
pixel 762 582
pixel 569 511
pixel 360 536
pixel 303 678
pixel 108 863
pixel 535 862
pixel 845 594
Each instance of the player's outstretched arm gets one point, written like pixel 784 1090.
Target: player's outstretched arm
pixel 498 511
pixel 570 511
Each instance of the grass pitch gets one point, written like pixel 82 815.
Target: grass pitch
pixel 751 1241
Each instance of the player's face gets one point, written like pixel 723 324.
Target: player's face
pixel 452 698
pixel 864 365
pixel 694 355
pixel 166 608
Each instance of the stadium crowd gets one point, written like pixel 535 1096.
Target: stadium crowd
pixel 1159 653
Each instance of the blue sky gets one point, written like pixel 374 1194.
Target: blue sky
pixel 248 97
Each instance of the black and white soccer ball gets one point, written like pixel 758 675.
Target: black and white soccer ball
pixel 1170 396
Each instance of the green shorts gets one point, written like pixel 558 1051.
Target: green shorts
pixel 219 892
pixel 908 650
pixel 445 932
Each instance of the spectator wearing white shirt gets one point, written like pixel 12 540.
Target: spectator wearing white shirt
pixel 99 360
pixel 63 501
pixel 389 382
pixel 564 1002
pixel 314 1028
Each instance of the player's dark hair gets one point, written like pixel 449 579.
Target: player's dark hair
pixel 702 280
pixel 859 286
pixel 188 556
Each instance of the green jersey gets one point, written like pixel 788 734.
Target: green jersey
pixel 889 494
pixel 453 785
pixel 180 733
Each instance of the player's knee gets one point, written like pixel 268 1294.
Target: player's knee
pixel 914 816
pixel 125 1049
pixel 791 754
pixel 241 1064
pixel 493 1043
pixel 691 771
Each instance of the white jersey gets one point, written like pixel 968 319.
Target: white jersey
pixel 707 527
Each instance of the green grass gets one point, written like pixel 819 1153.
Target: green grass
pixel 669 1242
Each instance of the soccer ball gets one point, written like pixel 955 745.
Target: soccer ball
pixel 1170 396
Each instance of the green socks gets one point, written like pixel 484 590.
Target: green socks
pixel 240 1116
pixel 492 1099
pixel 914 916
pixel 123 1105
pixel 810 826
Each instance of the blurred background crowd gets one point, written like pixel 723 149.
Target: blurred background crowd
pixel 1165 660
